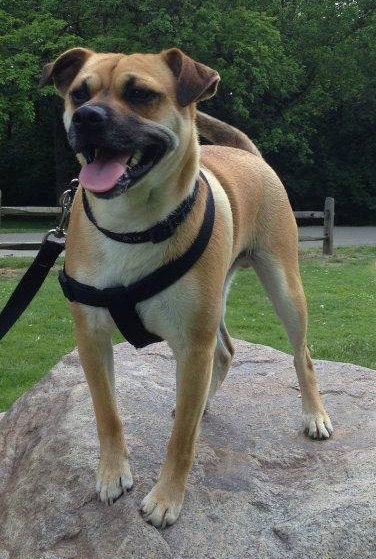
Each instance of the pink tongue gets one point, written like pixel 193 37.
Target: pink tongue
pixel 101 176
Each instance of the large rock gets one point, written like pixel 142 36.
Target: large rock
pixel 259 489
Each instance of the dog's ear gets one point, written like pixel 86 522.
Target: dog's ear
pixel 195 81
pixel 65 68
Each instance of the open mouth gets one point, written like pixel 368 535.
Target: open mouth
pixel 108 173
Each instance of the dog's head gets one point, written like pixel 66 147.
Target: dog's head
pixel 128 117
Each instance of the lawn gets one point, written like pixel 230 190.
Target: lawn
pixel 13 224
pixel 341 294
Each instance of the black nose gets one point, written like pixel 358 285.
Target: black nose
pixel 90 115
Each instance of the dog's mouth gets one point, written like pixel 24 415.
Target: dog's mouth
pixel 108 173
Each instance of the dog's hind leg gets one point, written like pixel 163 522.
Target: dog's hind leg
pixel 96 356
pixel 223 355
pixel 224 350
pixel 282 282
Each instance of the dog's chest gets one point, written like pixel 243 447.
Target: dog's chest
pixel 97 260
pixel 113 263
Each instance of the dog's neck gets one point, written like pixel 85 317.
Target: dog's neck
pixel 152 201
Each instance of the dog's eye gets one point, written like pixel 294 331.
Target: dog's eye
pixel 80 95
pixel 137 95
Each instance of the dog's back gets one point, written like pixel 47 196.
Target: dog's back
pixel 256 195
pixel 222 134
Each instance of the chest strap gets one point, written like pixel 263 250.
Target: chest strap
pixel 121 301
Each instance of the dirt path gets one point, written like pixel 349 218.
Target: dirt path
pixel 343 236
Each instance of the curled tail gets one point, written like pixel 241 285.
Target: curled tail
pixel 222 134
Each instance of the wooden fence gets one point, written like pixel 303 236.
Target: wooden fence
pixel 327 216
pixel 328 225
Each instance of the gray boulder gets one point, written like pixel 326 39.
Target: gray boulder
pixel 259 488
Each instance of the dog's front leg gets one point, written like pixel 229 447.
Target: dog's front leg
pixel 194 368
pixel 96 356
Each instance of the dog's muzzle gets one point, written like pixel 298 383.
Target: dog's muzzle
pixel 119 149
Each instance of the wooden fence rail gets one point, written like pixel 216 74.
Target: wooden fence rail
pixel 49 211
pixel 328 226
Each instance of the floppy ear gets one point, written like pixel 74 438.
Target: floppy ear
pixel 65 68
pixel 195 81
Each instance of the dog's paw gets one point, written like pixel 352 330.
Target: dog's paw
pixel 112 481
pixel 317 425
pixel 161 508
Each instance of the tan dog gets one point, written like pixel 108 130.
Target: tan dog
pixel 131 120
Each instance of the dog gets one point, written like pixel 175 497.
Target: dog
pixel 131 120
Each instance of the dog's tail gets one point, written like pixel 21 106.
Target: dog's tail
pixel 222 134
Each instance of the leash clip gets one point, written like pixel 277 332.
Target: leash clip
pixel 65 201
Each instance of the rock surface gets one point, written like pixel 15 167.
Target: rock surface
pixel 259 489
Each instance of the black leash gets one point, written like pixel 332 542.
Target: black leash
pixel 36 274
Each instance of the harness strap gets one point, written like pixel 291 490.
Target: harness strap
pixel 156 234
pixel 121 301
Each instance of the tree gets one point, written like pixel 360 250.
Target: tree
pixel 298 76
pixel 329 123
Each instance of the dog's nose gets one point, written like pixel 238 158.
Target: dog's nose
pixel 90 115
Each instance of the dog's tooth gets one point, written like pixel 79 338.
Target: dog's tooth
pixel 123 181
pixel 136 157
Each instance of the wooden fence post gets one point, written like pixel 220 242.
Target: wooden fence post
pixel 327 247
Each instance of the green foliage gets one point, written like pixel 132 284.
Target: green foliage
pixel 298 76
pixel 23 47
pixel 334 111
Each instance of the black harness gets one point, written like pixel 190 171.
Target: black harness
pixel 121 301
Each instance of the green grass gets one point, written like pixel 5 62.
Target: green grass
pixel 26 225
pixel 341 294
pixel 40 337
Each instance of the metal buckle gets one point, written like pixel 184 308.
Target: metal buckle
pixel 66 200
